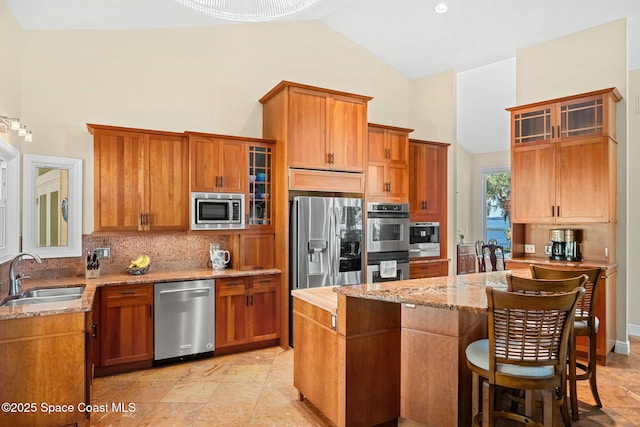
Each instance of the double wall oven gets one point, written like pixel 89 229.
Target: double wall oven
pixel 387 242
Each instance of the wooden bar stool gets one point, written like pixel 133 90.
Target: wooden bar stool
pixel 585 325
pixel 492 257
pixel 544 287
pixel 526 350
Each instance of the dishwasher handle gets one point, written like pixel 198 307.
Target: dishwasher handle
pixel 174 291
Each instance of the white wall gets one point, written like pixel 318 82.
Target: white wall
pixel 200 79
pixel 633 207
pixel 10 96
pixel 581 62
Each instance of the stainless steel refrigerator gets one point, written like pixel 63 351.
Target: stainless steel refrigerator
pixel 326 242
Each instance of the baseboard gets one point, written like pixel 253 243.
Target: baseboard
pixel 633 330
pixel 622 347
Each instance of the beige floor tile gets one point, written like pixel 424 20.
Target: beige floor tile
pixel 256 389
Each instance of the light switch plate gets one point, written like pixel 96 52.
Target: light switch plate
pixel 529 249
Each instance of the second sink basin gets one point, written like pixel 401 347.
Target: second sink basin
pixel 40 300
pixel 53 292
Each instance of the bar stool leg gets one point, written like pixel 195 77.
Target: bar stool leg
pixel 592 370
pixel 572 379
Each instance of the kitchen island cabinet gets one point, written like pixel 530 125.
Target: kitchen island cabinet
pixel 42 360
pixel 393 349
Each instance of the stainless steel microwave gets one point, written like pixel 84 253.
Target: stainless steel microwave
pixel 211 211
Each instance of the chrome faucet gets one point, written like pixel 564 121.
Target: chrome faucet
pixel 14 282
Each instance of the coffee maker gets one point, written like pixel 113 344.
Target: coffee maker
pixel 557 244
pixel 572 240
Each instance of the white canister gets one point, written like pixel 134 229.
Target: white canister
pixel 220 259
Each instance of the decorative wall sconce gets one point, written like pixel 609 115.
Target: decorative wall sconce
pixel 13 123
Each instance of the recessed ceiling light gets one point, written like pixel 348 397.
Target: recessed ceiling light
pixel 440 8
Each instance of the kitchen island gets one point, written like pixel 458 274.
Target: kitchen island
pixel 370 354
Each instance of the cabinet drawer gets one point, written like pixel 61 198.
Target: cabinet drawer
pixel 120 294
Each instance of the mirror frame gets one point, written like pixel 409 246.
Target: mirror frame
pixel 31 163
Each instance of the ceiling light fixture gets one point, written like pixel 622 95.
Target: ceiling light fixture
pixel 13 123
pixel 249 10
pixel 440 8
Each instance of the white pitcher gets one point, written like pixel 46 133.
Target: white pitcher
pixel 220 259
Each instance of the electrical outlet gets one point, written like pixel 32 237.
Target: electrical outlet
pixel 529 249
pixel 104 252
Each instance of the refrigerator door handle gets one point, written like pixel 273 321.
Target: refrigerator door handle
pixel 330 247
pixel 336 238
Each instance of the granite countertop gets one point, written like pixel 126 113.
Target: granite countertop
pixel 84 303
pixel 464 292
pixel 572 264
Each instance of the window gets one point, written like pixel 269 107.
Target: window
pixel 496 203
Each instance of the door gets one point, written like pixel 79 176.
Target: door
pixel 168 185
pixel 119 175
pixel 311 242
pixel 347 129
pixel 533 183
pixel 347 258
pixel 308 129
pixel 127 324
pixel 265 308
pixel 232 312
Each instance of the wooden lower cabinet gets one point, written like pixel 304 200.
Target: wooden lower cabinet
pixel 424 269
pixel 349 368
pixel 434 377
pixel 466 259
pixel 247 310
pixel 42 360
pixel 126 324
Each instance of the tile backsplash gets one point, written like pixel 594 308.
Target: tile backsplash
pixel 167 251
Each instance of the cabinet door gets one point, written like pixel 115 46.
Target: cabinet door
pixel 533 183
pixel 168 193
pixel 231 163
pixel 308 129
pixel 265 308
pixel 582 166
pixel 427 166
pixel 256 251
pixel 534 124
pixel 377 149
pixel 430 269
pixel 377 180
pixel 398 147
pixel 398 179
pixel 347 133
pixel 119 180
pixel 582 117
pixel 232 312
pixel 127 324
pixel 203 154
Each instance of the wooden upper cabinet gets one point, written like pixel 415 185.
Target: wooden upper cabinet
pixel 563 159
pixel 217 164
pixel 140 179
pixel 323 129
pixel 387 167
pixel 428 177
pixel 570 118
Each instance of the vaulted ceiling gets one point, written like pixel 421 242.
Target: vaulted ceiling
pixel 406 34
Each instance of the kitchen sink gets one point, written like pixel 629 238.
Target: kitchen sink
pixel 53 292
pixel 45 295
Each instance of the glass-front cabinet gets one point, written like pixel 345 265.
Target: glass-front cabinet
pixel 260 200
pixel 564 119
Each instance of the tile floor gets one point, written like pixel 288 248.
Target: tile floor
pixel 256 389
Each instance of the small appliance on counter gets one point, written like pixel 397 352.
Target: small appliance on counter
pixel 564 245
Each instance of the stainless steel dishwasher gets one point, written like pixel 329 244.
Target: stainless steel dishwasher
pixel 184 320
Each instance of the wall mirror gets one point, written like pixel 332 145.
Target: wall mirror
pixel 52 206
